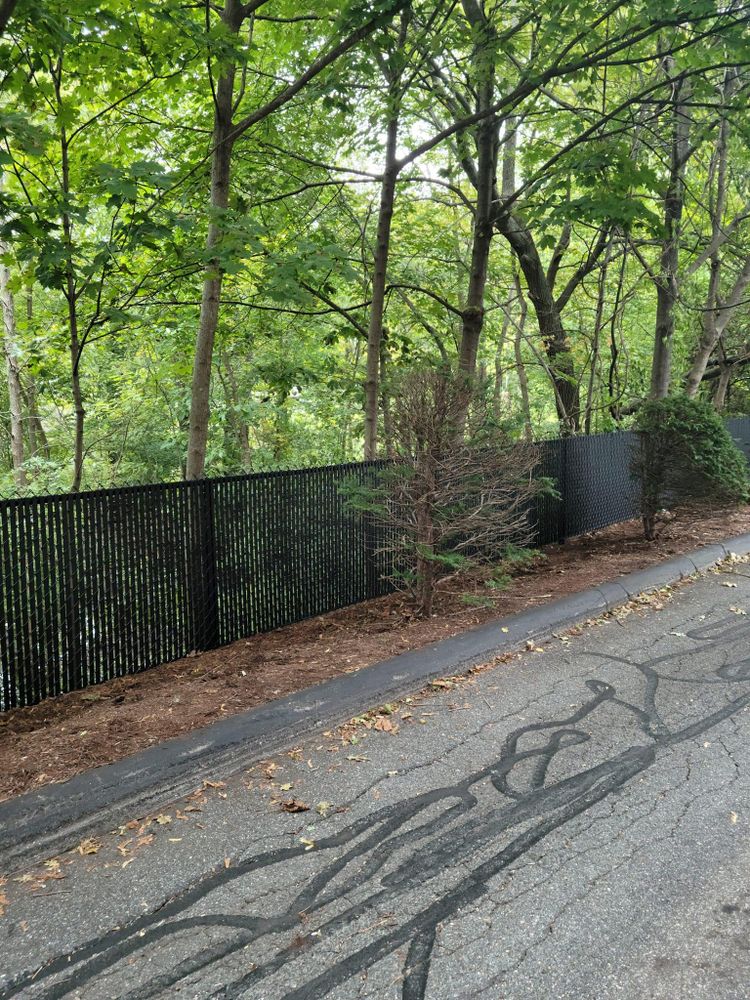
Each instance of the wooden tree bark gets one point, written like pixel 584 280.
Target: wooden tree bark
pixel 722 387
pixel 667 280
pixel 718 313
pixel 70 290
pixel 549 319
pixel 484 57
pixel 221 164
pixel 540 286
pixel 523 381
pixel 596 340
pixel 382 250
pixel 716 318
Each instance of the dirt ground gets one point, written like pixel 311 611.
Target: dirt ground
pixel 63 736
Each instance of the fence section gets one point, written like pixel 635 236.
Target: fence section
pixel 104 584
pixel 739 428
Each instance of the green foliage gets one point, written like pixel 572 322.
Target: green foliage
pixel 124 93
pixel 686 456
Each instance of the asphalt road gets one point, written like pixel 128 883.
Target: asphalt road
pixel 572 824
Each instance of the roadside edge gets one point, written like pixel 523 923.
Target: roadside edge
pixel 42 823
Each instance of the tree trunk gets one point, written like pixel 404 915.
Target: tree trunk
pixel 716 318
pixel 10 351
pixel 667 282
pixel 382 247
pixel 484 56
pixel 497 389
pixel 549 319
pixel 221 166
pixel 613 375
pixel 596 337
pixel 523 382
pixel 722 387
pixel 379 279
pixel 539 284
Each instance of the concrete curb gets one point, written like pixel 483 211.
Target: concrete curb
pixel 43 823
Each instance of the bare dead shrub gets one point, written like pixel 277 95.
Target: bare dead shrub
pixel 460 491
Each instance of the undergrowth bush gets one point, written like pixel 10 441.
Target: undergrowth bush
pixel 686 457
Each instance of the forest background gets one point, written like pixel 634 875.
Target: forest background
pixel 228 232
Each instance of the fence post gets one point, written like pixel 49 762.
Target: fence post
pixel 203 582
pixel 562 514
pixel 72 581
pixel 370 538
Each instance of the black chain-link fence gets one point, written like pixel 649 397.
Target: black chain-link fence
pixel 106 583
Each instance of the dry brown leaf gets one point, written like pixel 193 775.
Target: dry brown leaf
pixel 293 806
pixel 89 846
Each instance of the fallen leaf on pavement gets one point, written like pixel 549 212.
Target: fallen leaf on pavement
pixel 384 725
pixel 294 806
pixel 89 846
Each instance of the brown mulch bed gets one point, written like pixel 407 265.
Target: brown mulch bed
pixel 63 736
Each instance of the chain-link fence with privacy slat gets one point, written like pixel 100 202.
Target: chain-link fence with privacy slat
pixel 106 583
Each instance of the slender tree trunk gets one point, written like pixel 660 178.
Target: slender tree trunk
pixel 486 185
pixel 74 341
pixel 523 381
pixel 497 391
pixel 382 247
pixel 549 319
pixel 613 376
pixel 667 282
pixel 225 133
pixel 722 387
pixel 70 292
pixel 541 292
pixel 38 440
pixel 716 318
pixel 10 351
pixel 596 336
pixel 221 167
pixel 379 279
